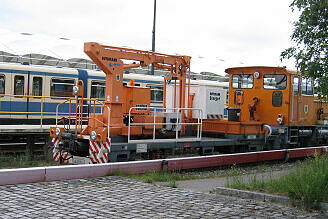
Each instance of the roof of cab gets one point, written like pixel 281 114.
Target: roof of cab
pixel 230 70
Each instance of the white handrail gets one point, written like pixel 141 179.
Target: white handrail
pixel 177 123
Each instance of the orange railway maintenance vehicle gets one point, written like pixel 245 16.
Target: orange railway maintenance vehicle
pixel 272 108
pixel 269 108
pixel 119 130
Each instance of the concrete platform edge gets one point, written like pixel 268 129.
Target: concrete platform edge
pixel 70 172
pixel 282 200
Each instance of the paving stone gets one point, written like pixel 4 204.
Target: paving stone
pixel 117 197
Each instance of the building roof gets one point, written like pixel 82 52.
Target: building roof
pixel 38 49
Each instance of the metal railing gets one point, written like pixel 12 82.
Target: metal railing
pixel 177 124
pixel 79 115
pixel 41 112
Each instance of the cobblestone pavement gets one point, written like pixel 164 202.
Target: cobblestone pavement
pixel 117 197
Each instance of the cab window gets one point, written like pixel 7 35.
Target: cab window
pixel 295 85
pixel 307 86
pixel 242 81
pixel 2 84
pixel 19 85
pixel 98 89
pixel 274 81
pixel 61 87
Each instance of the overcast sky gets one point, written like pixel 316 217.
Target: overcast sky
pixel 217 34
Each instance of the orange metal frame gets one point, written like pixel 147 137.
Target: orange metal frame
pixel 110 60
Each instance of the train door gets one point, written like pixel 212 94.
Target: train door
pixel 5 90
pixel 35 92
pixel 296 99
pixel 18 101
pixel 307 109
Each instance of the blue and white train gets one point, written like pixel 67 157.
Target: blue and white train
pixel 29 94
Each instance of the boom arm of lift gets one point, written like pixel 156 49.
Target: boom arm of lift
pixel 110 60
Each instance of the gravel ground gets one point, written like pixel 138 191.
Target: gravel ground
pixel 242 169
pixel 212 178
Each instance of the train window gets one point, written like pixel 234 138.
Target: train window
pixel 2 84
pixel 277 98
pixel 37 86
pixel 19 85
pixel 307 86
pixel 273 81
pixel 242 81
pixel 295 85
pixel 61 87
pixel 98 89
pixel 156 94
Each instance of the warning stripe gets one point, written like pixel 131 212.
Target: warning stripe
pixel 98 151
pixel 214 116
pixel 56 157
pixel 94 144
pixel 92 153
pixel 56 152
pixel 108 144
pixel 98 147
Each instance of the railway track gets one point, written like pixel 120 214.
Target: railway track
pixel 67 172
pixel 22 147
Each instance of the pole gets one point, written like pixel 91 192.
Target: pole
pixel 153 38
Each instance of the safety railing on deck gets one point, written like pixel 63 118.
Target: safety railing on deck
pixel 79 116
pixel 177 124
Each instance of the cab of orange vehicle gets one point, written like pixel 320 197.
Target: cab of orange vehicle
pixel 272 95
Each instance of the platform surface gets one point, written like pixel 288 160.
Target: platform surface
pixel 117 197
pixel 29 128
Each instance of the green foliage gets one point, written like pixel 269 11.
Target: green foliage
pixel 26 160
pixel 311 41
pixel 172 184
pixel 152 176
pixel 233 179
pixel 307 185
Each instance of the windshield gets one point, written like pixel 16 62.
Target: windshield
pixel 273 81
pixel 242 81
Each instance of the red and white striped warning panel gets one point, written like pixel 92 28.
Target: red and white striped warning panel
pixel 214 116
pixel 56 153
pixel 99 151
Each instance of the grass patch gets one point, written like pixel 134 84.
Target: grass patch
pixel 308 184
pixel 152 177
pixel 233 178
pixel 26 160
pixel 172 184
pixel 172 176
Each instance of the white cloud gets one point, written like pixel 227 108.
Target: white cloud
pixel 251 32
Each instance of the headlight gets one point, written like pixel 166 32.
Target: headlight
pixel 93 135
pixel 280 121
pixel 57 131
pixel 75 90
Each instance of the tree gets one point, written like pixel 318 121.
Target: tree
pixel 311 41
